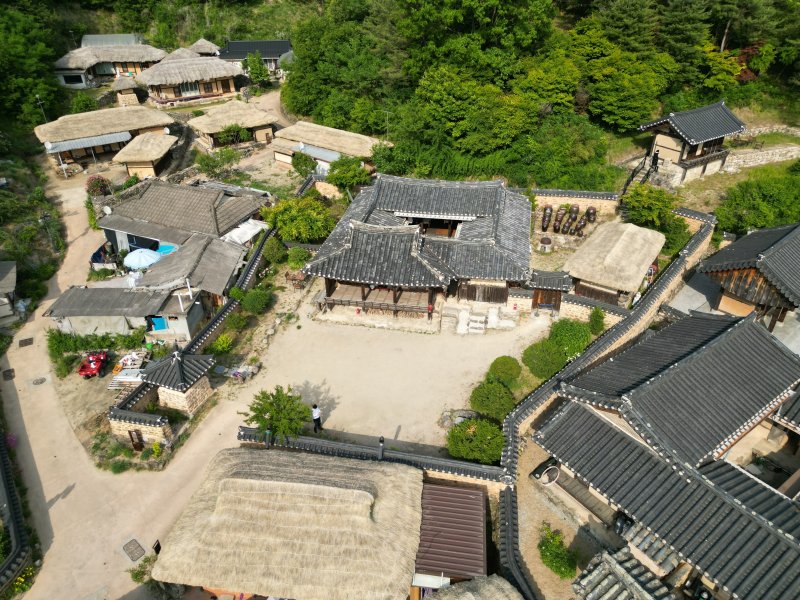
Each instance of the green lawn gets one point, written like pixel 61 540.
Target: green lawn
pixel 625 146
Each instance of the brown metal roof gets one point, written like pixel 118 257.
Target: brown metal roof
pixel 453 531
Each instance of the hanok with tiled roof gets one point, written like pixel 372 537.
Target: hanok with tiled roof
pixel 692 390
pixel 181 379
pixel 760 271
pixel 693 139
pixel 548 288
pixel 619 576
pixel 719 523
pixel 157 212
pixel 403 240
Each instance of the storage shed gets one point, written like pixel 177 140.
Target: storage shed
pixel 144 154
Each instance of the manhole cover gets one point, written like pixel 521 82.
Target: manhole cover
pixel 26 342
pixel 134 550
pixel 39 380
pixel 8 374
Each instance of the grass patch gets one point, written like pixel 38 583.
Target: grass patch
pixel 625 146
pixel 524 384
pixel 777 137
pixel 100 274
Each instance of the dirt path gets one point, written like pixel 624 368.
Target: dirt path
pixel 271 102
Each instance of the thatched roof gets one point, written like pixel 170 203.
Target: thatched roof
pixel 616 255
pixel 101 122
pixel 179 54
pixel 124 83
pixel 203 46
pixel 295 525
pixel 83 58
pixel 234 112
pixel 146 147
pixel 338 140
pixel 185 70
pixel 480 588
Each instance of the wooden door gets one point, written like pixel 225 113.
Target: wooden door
pixel 136 439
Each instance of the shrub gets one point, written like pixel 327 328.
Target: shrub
pixel 119 466
pixel 146 454
pixel 555 555
pixel 597 321
pixel 222 345
pixel 274 251
pixel 298 257
pixel 218 163
pixel 300 219
pixel 544 358
pixel 66 364
pixel 82 102
pixel 303 164
pixel 91 214
pixel 492 399
pixel 156 450
pixel 571 336
pixel 236 321
pixel 476 439
pixel 234 134
pixel 130 182
pixel 141 572
pixel 31 288
pixel 236 294
pixel 97 185
pixel 504 369
pixel 198 113
pixel 347 172
pixel 257 300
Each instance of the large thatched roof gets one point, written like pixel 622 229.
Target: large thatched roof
pixel 185 70
pixel 480 588
pixel 338 140
pixel 299 526
pixel 180 53
pixel 101 122
pixel 234 112
pixel 83 58
pixel 616 255
pixel 146 147
pixel 124 83
pixel 203 46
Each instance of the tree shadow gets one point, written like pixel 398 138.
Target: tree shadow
pixel 319 394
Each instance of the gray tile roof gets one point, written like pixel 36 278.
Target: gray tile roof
pixel 178 371
pixel 107 302
pixel 208 263
pixel 755 495
pixel 652 546
pixel 701 124
pixel 551 280
pixel 789 412
pixel 187 208
pixel 695 214
pixel 111 39
pixel 695 387
pixel 576 194
pixel 155 231
pixel 774 252
pixel 492 241
pixel 619 576
pixel 736 548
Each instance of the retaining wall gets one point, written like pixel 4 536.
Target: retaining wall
pixel 743 159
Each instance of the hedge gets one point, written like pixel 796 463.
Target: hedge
pixel 544 359
pixel 505 369
pixel 492 399
pixel 476 439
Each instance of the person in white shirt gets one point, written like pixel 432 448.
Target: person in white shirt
pixel 316 415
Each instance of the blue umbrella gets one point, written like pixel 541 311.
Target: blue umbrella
pixel 141 259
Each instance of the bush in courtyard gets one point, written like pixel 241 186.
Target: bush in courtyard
pixel 66 364
pixel 130 182
pixel 274 251
pixel 198 112
pixel 555 555
pixel 236 321
pixel 476 439
pixel 97 185
pixel 300 219
pixel 492 399
pixel 219 163
pixel 222 345
pixel 571 336
pixel 256 301
pixel 280 412
pixel 234 134
pixel 303 164
pixel 236 293
pixel 544 358
pixel 82 102
pixel 298 257
pixel 597 321
pixel 504 369
pixel 119 466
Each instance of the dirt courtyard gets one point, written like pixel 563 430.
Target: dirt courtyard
pixel 376 382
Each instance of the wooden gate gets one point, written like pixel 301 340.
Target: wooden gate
pixel 483 293
pixel 136 439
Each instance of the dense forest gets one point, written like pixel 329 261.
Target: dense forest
pixel 532 90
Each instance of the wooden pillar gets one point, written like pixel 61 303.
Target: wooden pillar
pixel 396 294
pixel 330 286
pixel 775 314
pixel 364 293
pixel 782 316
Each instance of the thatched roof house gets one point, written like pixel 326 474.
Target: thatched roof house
pixel 480 588
pixel 297 526
pixel 613 259
pixel 325 144
pixel 124 83
pixel 143 153
pixel 203 46
pixel 179 54
pixel 80 66
pixel 256 121
pixel 184 77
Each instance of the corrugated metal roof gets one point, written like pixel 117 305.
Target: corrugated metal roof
pixel 701 124
pixel 107 302
pixel 87 142
pixel 453 531
pixel 111 39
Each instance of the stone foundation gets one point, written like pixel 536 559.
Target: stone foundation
pixel 187 402
pixel 581 312
pixel 743 159
pixel 150 433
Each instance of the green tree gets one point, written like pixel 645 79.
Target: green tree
pixel 648 206
pixel 256 70
pixel 234 134
pixel 298 257
pixel 767 199
pixel 544 358
pixel 555 555
pixel 742 22
pixel 303 164
pixel 97 185
pixel 683 31
pixel 300 220
pixel 631 24
pixel 347 172
pixel 219 163
pixel 597 321
pixel 549 85
pixel 721 69
pixel 476 439
pixel 257 300
pixel 505 369
pixel 570 336
pixel 82 102
pixel 274 251
pixel 280 412
pixel 493 400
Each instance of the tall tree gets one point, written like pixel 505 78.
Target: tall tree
pixel 740 23
pixel 280 412
pixel 631 24
pixel 684 29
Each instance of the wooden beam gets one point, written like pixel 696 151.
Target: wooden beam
pixel 775 313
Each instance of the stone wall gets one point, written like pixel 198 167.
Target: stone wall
pixel 580 312
pixel 150 433
pixel 743 159
pixel 187 402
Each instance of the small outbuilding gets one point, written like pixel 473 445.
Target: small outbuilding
pixel 204 48
pixel 258 123
pixel 126 91
pixel 182 380
pixel 185 75
pixel 145 153
pixel 612 263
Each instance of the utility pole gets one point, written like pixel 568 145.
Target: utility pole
pixel 387 113
pixel 40 102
